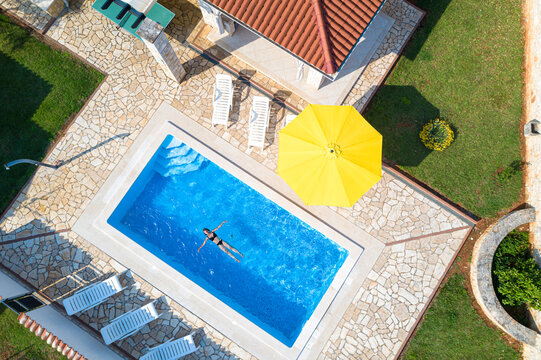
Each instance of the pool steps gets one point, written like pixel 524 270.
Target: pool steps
pixel 176 158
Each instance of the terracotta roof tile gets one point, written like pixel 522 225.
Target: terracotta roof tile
pixel 321 32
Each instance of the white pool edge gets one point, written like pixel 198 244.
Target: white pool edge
pixel 92 225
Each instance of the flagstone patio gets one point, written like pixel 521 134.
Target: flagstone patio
pixel 421 234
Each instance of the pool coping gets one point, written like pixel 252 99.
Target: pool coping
pixel 92 225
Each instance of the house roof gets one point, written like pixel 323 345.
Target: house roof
pixel 321 32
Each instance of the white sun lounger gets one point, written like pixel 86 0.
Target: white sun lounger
pixel 129 323
pixel 92 295
pixel 222 99
pixel 259 121
pixel 289 118
pixel 171 350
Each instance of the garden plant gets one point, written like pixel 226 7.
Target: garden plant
pixel 437 135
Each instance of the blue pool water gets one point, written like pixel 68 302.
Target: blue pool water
pixel 287 267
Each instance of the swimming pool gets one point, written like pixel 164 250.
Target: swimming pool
pixel 288 265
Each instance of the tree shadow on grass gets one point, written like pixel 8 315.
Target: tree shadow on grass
pixel 17 39
pixel 21 94
pixel 399 113
pixel 434 11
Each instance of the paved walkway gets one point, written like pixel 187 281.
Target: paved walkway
pixel 533 111
pixel 422 234
pixel 533 143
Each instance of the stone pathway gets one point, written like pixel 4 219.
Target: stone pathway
pixel 27 11
pixel 422 235
pixel 532 109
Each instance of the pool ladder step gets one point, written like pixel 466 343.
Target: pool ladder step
pixel 177 159
pixel 174 152
pixel 172 143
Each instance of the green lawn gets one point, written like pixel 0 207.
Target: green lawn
pixel 40 88
pixel 452 329
pixel 17 342
pixel 464 65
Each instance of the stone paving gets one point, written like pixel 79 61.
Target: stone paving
pixel 390 301
pixel 532 111
pixel 29 12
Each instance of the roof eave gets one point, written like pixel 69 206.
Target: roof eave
pixel 231 17
pixel 360 37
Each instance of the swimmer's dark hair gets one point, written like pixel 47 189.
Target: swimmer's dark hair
pixel 205 229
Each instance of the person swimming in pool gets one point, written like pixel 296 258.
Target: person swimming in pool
pixel 224 246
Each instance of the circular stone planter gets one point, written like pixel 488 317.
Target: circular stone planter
pixel 481 276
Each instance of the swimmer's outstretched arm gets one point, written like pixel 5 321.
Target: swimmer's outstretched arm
pixel 204 242
pixel 219 226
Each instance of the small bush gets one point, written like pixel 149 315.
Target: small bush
pixel 515 168
pixel 518 279
pixel 437 135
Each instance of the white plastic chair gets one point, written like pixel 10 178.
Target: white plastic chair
pixel 222 99
pixel 129 323
pixel 171 350
pixel 259 121
pixel 289 118
pixel 92 295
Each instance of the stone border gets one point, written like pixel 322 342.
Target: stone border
pixel 481 276
pixel 24 238
pixel 429 192
pixel 49 338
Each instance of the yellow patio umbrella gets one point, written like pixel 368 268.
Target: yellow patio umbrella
pixel 330 155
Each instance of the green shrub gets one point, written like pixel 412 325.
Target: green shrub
pixel 515 168
pixel 518 279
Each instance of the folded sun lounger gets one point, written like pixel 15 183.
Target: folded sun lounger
pixel 259 121
pixel 222 99
pixel 129 323
pixel 92 295
pixel 171 350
